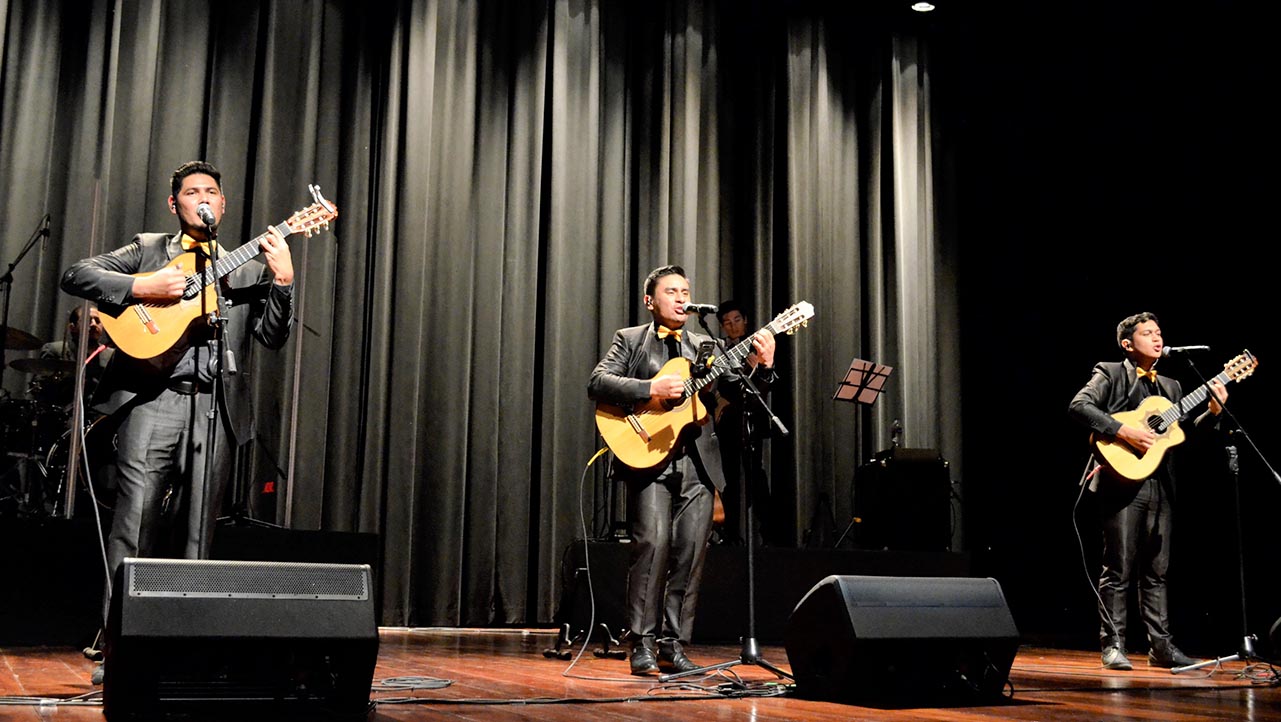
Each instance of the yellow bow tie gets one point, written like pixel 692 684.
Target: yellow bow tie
pixel 191 244
pixel 664 332
pixel 1145 373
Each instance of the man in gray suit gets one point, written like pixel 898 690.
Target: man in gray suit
pixel 162 402
pixel 669 505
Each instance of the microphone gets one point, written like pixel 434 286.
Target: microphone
pixel 699 308
pixel 206 215
pixel 1167 350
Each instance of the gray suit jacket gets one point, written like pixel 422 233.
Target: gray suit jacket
pixel 257 307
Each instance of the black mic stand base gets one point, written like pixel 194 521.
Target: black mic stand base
pixel 751 651
pixel 1245 655
pixel 750 654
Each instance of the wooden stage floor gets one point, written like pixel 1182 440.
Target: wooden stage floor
pixel 503 675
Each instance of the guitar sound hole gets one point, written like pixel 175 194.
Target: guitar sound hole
pixel 1156 424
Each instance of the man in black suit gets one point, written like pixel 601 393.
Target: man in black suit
pixel 162 402
pixel 670 505
pixel 1135 516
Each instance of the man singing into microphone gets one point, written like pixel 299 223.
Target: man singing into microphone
pixel 669 506
pixel 1134 515
pixel 162 402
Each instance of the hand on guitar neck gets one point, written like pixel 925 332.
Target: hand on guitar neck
pixel 1218 396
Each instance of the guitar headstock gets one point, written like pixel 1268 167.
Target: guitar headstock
pixel 792 319
pixel 1241 366
pixel 314 217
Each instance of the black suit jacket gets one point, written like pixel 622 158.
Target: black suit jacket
pixel 1114 387
pixel 622 378
pixel 257 308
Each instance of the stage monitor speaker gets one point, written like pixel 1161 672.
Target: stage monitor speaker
pixel 902 640
pixel 231 639
pixel 904 500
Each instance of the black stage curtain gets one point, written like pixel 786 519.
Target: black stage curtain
pixel 506 173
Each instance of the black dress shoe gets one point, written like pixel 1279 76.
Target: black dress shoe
pixel 1169 656
pixel 643 660
pixel 671 655
pixel 1114 658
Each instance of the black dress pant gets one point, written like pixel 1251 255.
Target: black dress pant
pixel 671 520
pixel 161 500
pixel 1136 544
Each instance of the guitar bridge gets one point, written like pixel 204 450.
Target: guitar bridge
pixel 148 322
pixel 636 426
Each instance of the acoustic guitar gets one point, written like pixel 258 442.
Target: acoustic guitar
pixel 1162 417
pixel 643 436
pixel 146 330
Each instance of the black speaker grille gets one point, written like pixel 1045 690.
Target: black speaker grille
pixel 247 580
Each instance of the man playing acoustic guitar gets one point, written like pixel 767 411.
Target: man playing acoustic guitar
pixel 163 399
pixel 670 503
pixel 1135 515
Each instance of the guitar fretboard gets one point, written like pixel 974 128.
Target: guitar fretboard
pixel 1178 411
pixel 732 359
pixel 230 262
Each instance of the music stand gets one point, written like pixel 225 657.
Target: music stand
pixel 863 384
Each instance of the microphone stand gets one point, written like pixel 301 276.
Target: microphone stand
pixel 217 320
pixel 750 653
pixel 6 284
pixel 1246 652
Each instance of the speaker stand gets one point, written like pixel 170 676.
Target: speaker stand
pixel 751 651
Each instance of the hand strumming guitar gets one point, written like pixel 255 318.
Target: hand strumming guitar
pixel 1141 439
pixel 671 386
pixel 167 284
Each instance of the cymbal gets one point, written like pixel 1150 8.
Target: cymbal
pixel 42 365
pixel 21 340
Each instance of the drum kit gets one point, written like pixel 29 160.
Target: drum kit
pixel 35 435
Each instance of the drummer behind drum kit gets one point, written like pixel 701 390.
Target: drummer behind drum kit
pixel 35 435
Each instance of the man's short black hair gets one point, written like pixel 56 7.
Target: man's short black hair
pixel 728 305
pixel 190 168
pixel 652 279
pixel 1125 329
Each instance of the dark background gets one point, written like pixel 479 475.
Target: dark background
pixel 1112 158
